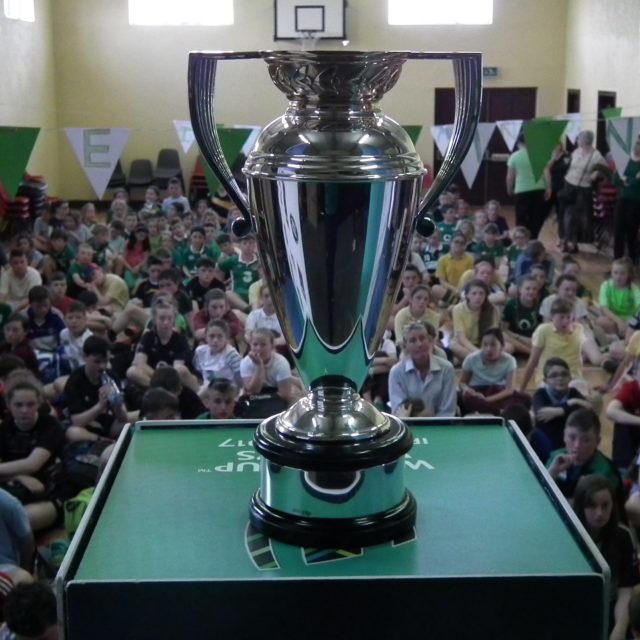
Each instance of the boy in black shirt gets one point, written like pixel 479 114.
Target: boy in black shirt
pixel 204 281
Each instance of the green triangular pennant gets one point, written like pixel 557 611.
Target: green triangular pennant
pixel 414 131
pixel 16 145
pixel 541 136
pixel 612 112
pixel 231 141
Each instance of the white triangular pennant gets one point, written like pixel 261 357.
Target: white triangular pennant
pixel 98 151
pixel 441 134
pixel 184 130
pixel 509 130
pixel 621 136
pixel 574 124
pixel 475 155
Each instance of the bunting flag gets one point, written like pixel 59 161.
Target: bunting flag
pixel 541 136
pixel 16 145
pixel 510 129
pixel 621 136
pixel 98 151
pixel 232 141
pixel 475 155
pixel 184 131
pixel 247 147
pixel 612 112
pixel 441 135
pixel 414 131
pixel 574 125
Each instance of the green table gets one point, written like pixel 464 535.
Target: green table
pixel 166 548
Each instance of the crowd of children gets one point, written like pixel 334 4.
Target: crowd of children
pixel 161 313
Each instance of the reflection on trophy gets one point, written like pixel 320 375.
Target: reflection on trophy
pixel 333 194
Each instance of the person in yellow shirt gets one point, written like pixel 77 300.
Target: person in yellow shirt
pixel 561 338
pixel 417 311
pixel 472 318
pixel 450 268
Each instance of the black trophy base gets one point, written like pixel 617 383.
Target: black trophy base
pixel 333 533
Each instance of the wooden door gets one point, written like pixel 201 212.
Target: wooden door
pixel 497 104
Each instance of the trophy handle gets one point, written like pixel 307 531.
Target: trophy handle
pixel 467 69
pixel 202 77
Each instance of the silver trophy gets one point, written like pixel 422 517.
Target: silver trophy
pixel 334 196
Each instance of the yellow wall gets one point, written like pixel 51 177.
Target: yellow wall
pixel 603 54
pixel 102 72
pixel 111 74
pixel 27 89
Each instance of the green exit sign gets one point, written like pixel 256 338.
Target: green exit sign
pixel 490 72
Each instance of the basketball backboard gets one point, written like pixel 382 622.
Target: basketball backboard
pixel 320 19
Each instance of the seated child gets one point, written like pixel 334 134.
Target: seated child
pixel 189 257
pixel 95 408
pixel 102 254
pixel 488 377
pixel 556 400
pixel 45 323
pixel 447 227
pixel 58 292
pixel 521 237
pixel 60 257
pixel 204 280
pixel 534 254
pixel 418 310
pixel 148 287
pixel 162 343
pixel 562 337
pixel 472 318
pixel 159 404
pixel 80 272
pixel 495 217
pixel 219 397
pixel 73 336
pixel 580 455
pixel 520 316
pixel 567 289
pixel 484 269
pixel 450 268
pixel 189 404
pixel 432 250
pixel 263 370
pixel 597 506
pixel 217 308
pixel 411 278
pixel 480 221
pixel 217 359
pixel 619 298
pixel 242 268
pixel 491 244
pixel 16 342
pixel 624 410
pixel 31 445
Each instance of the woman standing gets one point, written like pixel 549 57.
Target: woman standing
pixel 586 166
pixel 626 219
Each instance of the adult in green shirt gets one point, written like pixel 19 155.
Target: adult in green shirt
pixel 530 195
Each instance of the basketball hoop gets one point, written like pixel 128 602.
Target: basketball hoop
pixel 309 39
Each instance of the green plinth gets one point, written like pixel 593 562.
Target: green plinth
pixel 167 544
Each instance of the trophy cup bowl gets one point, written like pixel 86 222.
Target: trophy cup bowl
pixel 334 195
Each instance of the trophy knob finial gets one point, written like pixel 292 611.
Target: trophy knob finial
pixel 425 226
pixel 240 227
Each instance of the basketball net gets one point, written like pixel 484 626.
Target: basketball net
pixel 309 40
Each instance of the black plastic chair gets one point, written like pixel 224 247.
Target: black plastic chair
pixel 168 166
pixel 140 173
pixel 118 179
